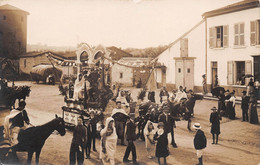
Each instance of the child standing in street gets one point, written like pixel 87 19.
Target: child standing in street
pixel 162 149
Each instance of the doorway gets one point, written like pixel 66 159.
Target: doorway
pixel 214 73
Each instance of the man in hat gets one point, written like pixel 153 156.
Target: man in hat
pixel 169 123
pixel 200 142
pixel 16 119
pixel 204 84
pixel 89 130
pixel 78 140
pixel 215 124
pixel 245 106
pixel 130 137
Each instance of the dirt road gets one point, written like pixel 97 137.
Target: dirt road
pixel 239 142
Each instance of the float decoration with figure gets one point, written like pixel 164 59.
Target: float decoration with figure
pixel 91 91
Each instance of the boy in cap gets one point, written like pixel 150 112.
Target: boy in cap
pixel 131 137
pixel 78 140
pixel 200 142
pixel 215 124
pixel 245 106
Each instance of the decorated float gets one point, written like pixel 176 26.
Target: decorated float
pixel 91 92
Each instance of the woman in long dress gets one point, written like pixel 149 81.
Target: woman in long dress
pixel 231 106
pixel 108 141
pixel 253 116
pixel 149 132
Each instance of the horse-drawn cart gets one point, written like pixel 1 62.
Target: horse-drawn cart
pixel 45 73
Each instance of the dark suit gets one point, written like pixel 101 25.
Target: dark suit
pixel 244 107
pixel 131 137
pixel 88 139
pixel 200 140
pixel 93 122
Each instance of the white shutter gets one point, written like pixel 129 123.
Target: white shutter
pixel 230 72
pixel 212 37
pixel 236 34
pixel 242 34
pixel 248 67
pixel 248 70
pixel 225 36
pixel 253 32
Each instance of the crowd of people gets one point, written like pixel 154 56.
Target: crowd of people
pixel 122 124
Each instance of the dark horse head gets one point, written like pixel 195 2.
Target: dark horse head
pixel 59 125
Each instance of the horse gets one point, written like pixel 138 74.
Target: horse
pixel 147 111
pixel 32 139
pixel 185 109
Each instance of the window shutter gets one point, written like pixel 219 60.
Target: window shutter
pixel 253 32
pixel 248 67
pixel 212 37
pixel 248 70
pixel 241 32
pixel 236 34
pixel 230 72
pixel 225 36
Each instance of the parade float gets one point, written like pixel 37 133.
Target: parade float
pixel 91 92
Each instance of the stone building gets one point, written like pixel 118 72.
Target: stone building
pixel 13 31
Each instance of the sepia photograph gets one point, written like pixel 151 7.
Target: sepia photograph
pixel 129 82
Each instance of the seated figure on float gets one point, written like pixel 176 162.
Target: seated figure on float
pixel 181 94
pixel 79 87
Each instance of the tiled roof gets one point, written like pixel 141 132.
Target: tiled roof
pixel 10 7
pixel 243 5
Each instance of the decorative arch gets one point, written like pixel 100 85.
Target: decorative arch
pixel 82 49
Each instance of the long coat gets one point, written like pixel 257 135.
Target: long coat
pixel 200 140
pixel 162 149
pixel 215 124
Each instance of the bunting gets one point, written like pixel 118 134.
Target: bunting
pixel 64 62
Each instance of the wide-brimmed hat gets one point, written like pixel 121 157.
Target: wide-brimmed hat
pixel 197 126
pixel 213 108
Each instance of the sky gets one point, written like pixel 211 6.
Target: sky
pixel 121 23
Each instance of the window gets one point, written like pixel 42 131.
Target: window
pixel 24 63
pixel 179 70
pixel 255 32
pixel 188 70
pixel 239 34
pixel 237 70
pixel 121 75
pixel 218 36
pixel 4 17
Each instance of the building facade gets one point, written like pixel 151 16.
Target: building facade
pixel 233 48
pixel 130 76
pixel 224 45
pixel 13 31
